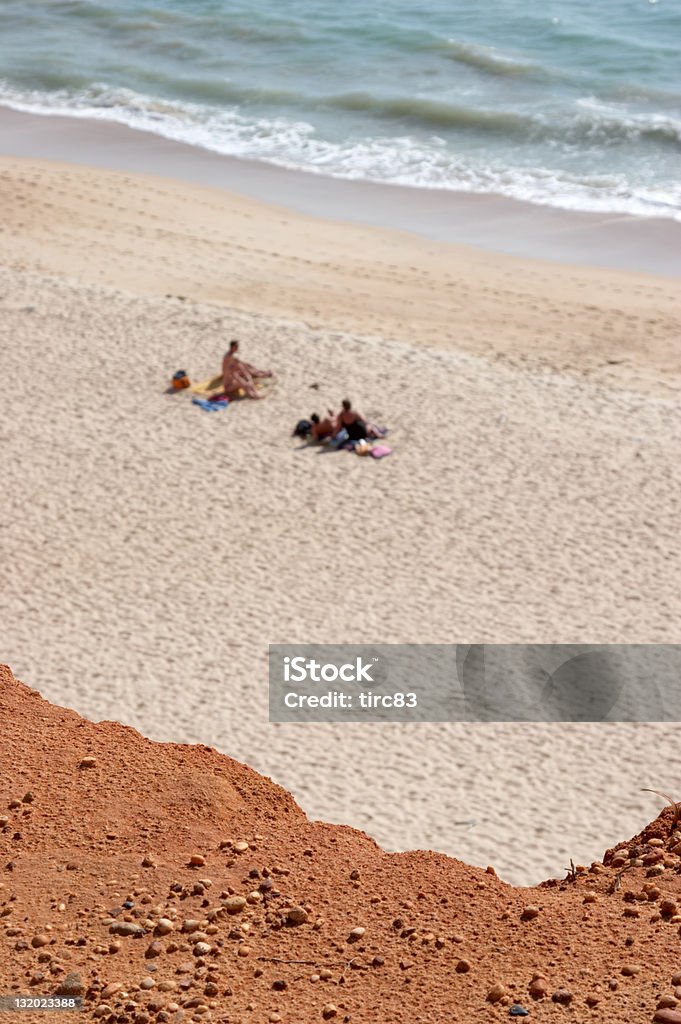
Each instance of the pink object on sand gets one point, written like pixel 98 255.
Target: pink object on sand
pixel 380 450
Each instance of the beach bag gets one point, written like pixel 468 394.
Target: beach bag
pixel 180 380
pixel 302 428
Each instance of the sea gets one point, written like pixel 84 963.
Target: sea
pixel 570 103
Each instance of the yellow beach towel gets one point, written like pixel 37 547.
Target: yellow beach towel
pixel 213 385
pixel 206 388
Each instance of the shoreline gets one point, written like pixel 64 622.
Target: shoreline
pixel 487 222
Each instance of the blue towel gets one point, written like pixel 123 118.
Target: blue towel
pixel 209 406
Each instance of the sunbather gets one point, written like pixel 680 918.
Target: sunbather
pixel 350 420
pixel 322 429
pixel 238 375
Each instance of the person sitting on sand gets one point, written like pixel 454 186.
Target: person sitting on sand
pixel 350 420
pixel 238 375
pixel 323 429
pixel 234 346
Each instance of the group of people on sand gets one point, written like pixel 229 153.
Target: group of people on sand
pixel 239 376
pixel 346 427
pixel 348 420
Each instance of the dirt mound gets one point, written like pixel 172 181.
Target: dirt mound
pixel 159 882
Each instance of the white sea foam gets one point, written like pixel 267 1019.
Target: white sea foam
pixel 404 159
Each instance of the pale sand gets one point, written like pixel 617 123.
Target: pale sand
pixel 151 551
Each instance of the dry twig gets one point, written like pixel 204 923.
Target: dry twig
pixel 673 803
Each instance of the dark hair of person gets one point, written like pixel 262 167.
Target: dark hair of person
pixel 347 404
pixel 314 418
pixel 233 345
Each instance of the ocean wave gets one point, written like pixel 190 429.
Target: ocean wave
pixel 399 160
pixel 617 122
pixel 431 113
pixel 590 122
pixel 490 61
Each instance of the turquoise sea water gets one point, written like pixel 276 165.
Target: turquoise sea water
pixel 573 103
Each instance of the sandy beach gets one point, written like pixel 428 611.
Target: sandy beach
pixel 151 551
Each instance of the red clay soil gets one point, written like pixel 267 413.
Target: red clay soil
pixel 161 882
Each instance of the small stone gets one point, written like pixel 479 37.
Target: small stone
pixel 72 985
pixel 155 949
pixel 496 993
pixel 164 926
pixel 102 1010
pixel 111 989
pixel 463 967
pixel 254 897
pixel 562 996
pixel 325 974
pixel 197 860
pixel 244 950
pixel 356 934
pixel 241 846
pixel 202 949
pixel 590 897
pixel 127 928
pixel 516 1010
pixel 538 988
pixel 667 1001
pixel 190 925
pixel 27 798
pixel 668 908
pixel 234 904
pixel 676 979
pixel 87 762
pixel 667 1016
pixel 592 1000
pixel 296 916
pixel 147 983
pixel 274 1018
pixel 40 940
pixel 279 985
pixel 148 862
pixel 329 1011
pixel 529 913
pixel 630 970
